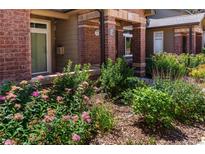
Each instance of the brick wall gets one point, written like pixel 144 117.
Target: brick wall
pixel 89 42
pixel 15 55
pixel 178 43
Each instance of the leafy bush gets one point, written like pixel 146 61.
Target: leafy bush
pixel 203 50
pixel 166 65
pixel 198 72
pixel 5 87
pixel 103 120
pixel 116 77
pixel 29 113
pixel 191 61
pixel 189 101
pixel 72 86
pixel 71 78
pixel 155 106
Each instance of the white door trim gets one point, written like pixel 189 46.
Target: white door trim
pixel 46 31
pixel 154 43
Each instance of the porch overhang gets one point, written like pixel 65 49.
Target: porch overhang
pixel 117 14
pixel 52 14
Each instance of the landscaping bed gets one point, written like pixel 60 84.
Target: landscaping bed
pixel 130 129
pixel 115 108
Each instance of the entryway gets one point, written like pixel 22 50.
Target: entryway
pixel 40 46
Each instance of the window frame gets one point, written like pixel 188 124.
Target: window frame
pixel 154 35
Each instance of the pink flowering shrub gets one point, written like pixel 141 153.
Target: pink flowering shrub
pixel 31 114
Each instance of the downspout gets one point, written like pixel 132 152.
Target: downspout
pixel 190 40
pixel 102 35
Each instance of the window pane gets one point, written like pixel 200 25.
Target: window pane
pixel 127 45
pixel 38 25
pixel 39 54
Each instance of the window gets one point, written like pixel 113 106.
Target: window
pixel 128 39
pixel 158 42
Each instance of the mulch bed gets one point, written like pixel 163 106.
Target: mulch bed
pixel 130 129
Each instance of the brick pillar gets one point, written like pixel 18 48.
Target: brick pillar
pixel 193 42
pixel 187 43
pixel 178 43
pixel 138 48
pixel 15 52
pixel 89 42
pixel 110 38
pixel 198 43
pixel 120 44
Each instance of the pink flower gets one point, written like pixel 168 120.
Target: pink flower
pixel 40 78
pixel 9 142
pixel 86 98
pixel 76 138
pixel 18 117
pixel 2 98
pixel 14 88
pixel 86 117
pixel 35 94
pixel 18 106
pixel 48 118
pixel 45 97
pixel 23 82
pixel 75 118
pixel 66 118
pixel 11 96
pixel 59 99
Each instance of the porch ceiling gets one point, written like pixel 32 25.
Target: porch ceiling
pixel 51 13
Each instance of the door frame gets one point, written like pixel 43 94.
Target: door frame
pixel 46 31
pixel 154 41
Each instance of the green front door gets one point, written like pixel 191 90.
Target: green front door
pixel 39 52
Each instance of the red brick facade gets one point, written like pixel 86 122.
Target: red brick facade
pixel 138 47
pixel 110 38
pixel 89 42
pixel 15 42
pixel 15 55
pixel 196 43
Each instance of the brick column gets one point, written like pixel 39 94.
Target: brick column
pixel 138 49
pixel 15 52
pixel 120 41
pixel 110 38
pixel 89 42
pixel 194 42
pixel 178 42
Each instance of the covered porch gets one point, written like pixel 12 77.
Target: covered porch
pixel 61 35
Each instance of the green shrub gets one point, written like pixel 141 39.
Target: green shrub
pixel 72 86
pixel 198 72
pixel 189 101
pixel 191 61
pixel 5 87
pixel 32 121
pixel 29 112
pixel 103 120
pixel 155 106
pixel 166 65
pixel 203 50
pixel 71 78
pixel 114 76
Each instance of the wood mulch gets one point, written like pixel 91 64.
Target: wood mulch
pixel 130 129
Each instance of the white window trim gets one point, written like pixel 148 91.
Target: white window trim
pixel 127 35
pixel 154 41
pixel 46 31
